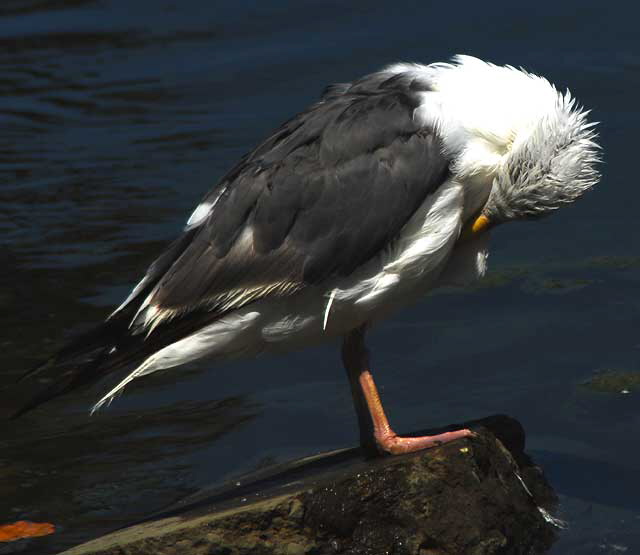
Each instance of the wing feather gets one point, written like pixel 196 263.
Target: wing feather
pixel 320 197
pixel 326 192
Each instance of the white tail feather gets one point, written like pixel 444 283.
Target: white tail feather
pixel 108 398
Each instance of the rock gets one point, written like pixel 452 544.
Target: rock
pixel 473 497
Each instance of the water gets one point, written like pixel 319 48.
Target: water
pixel 117 117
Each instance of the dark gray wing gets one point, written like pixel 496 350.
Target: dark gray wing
pixel 320 197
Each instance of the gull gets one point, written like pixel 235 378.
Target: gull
pixel 384 189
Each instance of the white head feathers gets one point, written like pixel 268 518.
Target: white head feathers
pixel 511 129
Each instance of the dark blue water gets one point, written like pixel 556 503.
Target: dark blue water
pixel 116 117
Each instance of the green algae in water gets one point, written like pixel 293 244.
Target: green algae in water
pixel 555 286
pixel 614 381
pixel 616 262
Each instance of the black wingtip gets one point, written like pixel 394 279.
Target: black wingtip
pixel 41 397
pixel 75 364
pixel 41 367
pixel 22 410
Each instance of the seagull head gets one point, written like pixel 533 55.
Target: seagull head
pixel 551 166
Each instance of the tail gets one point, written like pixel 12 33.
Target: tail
pixel 112 347
pixel 82 362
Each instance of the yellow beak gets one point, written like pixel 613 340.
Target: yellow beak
pixel 479 225
pixel 482 223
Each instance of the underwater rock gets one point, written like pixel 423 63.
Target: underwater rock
pixel 477 496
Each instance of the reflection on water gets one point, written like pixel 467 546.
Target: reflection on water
pixel 118 116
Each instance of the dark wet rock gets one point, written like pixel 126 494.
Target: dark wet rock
pixel 481 496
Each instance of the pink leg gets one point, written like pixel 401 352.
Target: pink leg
pixel 372 419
